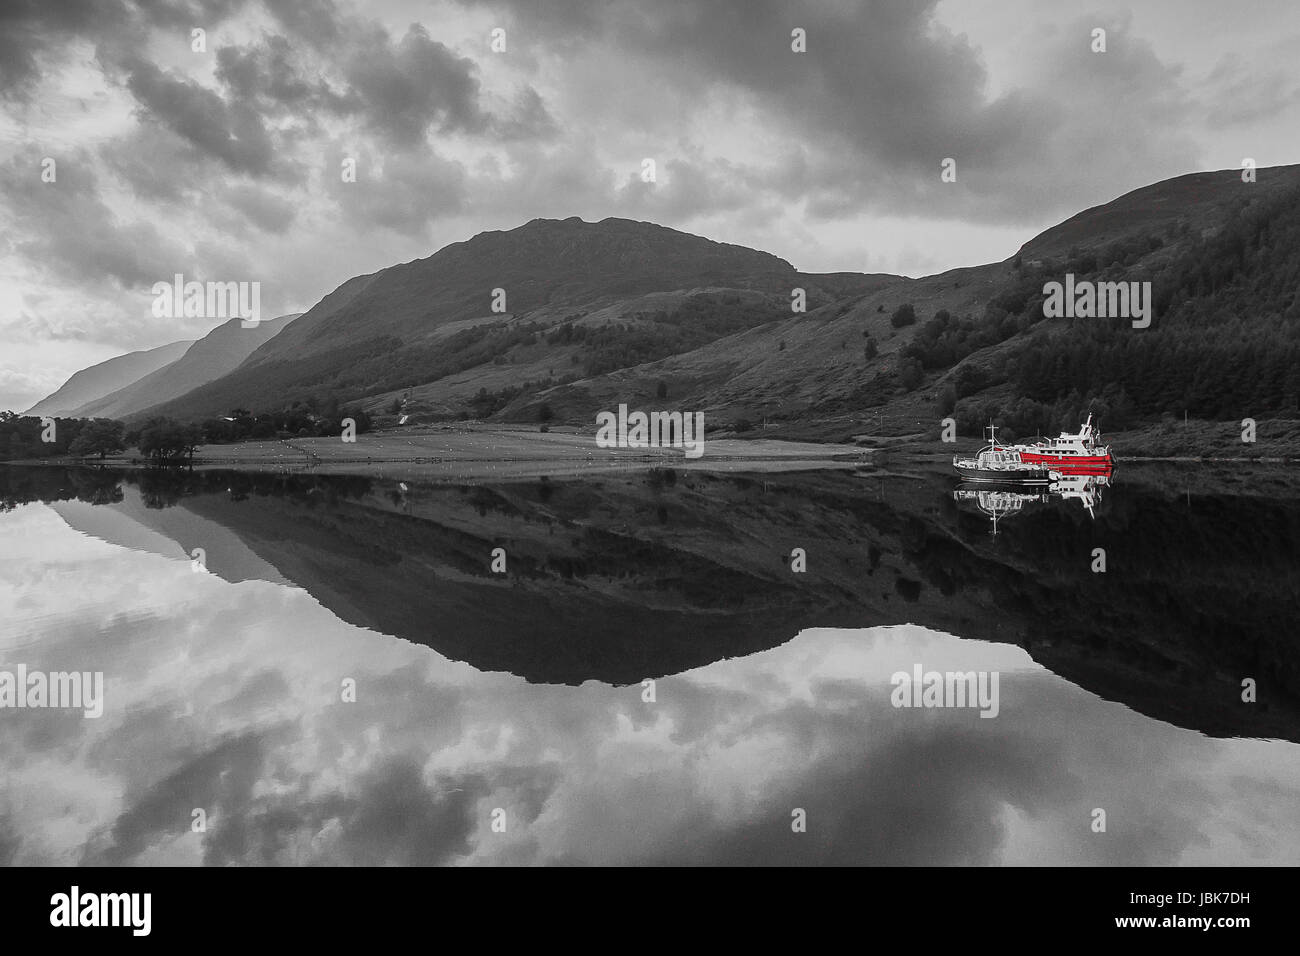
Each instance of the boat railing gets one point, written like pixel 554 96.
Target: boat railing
pixel 998 456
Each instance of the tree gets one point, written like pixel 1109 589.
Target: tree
pixel 99 436
pixel 910 373
pixel 167 440
pixel 870 350
pixel 947 399
pixel 903 315
pixel 193 438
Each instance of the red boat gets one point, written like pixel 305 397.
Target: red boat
pixel 1077 454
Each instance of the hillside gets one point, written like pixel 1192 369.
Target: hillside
pixel 432 318
pixel 220 351
pixel 603 313
pixel 1197 198
pixel 91 384
pixel 1224 260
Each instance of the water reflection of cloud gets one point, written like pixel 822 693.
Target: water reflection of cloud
pixel 227 697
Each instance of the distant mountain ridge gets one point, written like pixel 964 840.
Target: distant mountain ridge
pixel 220 351
pixel 93 383
pixel 557 319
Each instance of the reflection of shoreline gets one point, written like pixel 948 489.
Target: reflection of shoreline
pixel 694 568
pixel 511 469
pixel 484 452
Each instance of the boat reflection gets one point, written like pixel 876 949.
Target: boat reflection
pixel 1000 501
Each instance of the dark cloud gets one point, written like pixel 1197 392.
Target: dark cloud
pixel 69 233
pixel 219 780
pixel 405 194
pixel 687 188
pixel 33 33
pixel 877 75
pixel 929 799
pixel 884 94
pixel 388 816
pixel 70 239
pixel 528 119
pixel 407 87
pixel 270 75
pixel 187 14
pixel 230 131
pixel 263 208
pixel 33 30
pixel 396 819
pixel 315 22
pixel 400 88
pixel 147 158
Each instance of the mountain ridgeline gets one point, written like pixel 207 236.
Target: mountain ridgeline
pixel 558 319
pixel 92 384
pixel 417 323
pixel 220 351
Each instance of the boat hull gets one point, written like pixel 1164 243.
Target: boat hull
pixel 1027 476
pixel 1070 464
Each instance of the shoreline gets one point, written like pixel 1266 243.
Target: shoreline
pixel 502 451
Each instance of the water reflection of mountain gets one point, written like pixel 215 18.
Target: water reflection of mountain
pixel 647 574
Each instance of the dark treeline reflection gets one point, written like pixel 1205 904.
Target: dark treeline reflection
pixel 166 487
pixel 637 575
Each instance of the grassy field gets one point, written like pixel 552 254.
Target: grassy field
pixel 505 452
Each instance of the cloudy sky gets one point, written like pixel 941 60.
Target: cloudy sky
pixel 226 163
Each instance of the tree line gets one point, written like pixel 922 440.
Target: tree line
pixel 163 440
pixel 1225 343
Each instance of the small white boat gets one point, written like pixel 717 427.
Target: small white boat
pixel 998 462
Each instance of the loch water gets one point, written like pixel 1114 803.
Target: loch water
pixel 654 666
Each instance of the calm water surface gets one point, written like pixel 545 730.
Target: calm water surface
pixel 523 692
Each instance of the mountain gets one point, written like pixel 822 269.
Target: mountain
pixel 431 318
pixel 597 314
pixel 1197 199
pixel 95 382
pixel 217 353
pixel 1223 258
